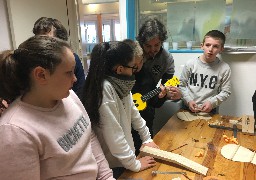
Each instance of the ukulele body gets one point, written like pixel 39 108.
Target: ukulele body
pixel 139 103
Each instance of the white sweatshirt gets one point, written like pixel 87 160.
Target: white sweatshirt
pixel 117 116
pixel 202 82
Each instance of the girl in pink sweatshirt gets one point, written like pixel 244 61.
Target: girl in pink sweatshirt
pixel 45 132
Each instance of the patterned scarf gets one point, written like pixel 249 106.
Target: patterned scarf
pixel 122 84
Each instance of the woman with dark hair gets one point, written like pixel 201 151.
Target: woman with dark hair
pixel 45 132
pixel 54 28
pixel 152 29
pixel 108 100
pixel 158 64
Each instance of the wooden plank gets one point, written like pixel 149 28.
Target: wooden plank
pixel 174 158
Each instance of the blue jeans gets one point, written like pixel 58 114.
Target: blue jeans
pixel 118 171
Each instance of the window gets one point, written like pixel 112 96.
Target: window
pixel 117 31
pixel 106 32
pixel 189 20
pixel 110 30
pixel 90 32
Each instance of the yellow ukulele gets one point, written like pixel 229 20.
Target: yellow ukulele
pixel 141 101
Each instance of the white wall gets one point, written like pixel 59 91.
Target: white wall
pixel 105 8
pixel 24 13
pixel 123 20
pixel 243 67
pixel 5 42
pixel 243 80
pixel 74 27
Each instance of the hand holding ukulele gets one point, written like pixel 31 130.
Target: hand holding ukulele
pixel 173 93
pixel 141 101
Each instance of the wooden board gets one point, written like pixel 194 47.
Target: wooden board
pixel 174 158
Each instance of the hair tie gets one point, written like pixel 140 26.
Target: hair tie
pixel 107 45
pixel 16 53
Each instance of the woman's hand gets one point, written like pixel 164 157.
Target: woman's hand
pixel 147 162
pixel 150 144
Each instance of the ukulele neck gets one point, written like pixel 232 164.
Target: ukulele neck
pixel 151 94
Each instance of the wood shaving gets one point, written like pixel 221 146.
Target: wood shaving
pixel 199 154
pixel 230 139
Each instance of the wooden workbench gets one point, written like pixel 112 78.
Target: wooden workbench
pixel 197 136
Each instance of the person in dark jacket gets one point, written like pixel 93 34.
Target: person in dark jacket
pixel 158 64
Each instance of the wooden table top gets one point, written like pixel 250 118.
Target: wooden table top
pixel 193 137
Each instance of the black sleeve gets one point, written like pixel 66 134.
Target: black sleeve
pixel 166 77
pixel 157 102
pixel 79 72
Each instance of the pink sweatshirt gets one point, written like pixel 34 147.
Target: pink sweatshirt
pixel 58 143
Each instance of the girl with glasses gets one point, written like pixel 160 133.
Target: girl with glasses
pixel 108 100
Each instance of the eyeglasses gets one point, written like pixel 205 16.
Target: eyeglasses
pixel 134 68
